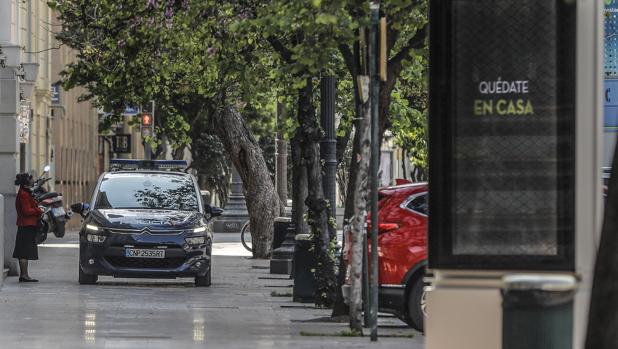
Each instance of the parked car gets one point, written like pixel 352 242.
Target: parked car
pixel 144 221
pixel 402 252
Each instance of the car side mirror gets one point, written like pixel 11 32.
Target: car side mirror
pixel 80 207
pixel 216 211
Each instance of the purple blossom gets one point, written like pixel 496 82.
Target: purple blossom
pixel 151 4
pixel 169 12
pixel 211 51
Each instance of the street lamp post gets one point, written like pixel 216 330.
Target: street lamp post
pixel 236 213
pixel 328 145
pixel 375 151
pixel 281 159
pixel 281 259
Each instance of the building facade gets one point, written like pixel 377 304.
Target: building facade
pixel 39 123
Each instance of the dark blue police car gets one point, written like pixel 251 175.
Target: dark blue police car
pixel 146 220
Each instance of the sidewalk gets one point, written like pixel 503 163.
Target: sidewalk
pixel 244 308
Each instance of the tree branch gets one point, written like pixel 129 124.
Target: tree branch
pixel 283 51
pixel 417 41
pixel 47 49
pixel 348 57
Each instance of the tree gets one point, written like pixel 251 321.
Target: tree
pixel 408 112
pixel 323 37
pixel 133 51
pixel 407 24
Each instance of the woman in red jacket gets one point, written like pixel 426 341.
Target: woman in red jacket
pixel 28 214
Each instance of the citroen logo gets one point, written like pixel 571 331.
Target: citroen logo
pixel 146 230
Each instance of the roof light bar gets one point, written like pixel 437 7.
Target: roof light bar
pixel 133 164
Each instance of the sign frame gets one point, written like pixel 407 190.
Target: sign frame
pixel 442 227
pixel 116 148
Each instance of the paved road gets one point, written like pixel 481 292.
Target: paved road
pixel 238 311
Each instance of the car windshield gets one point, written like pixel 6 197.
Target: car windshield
pixel 147 191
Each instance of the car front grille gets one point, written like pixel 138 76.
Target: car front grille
pixel 145 263
pixel 146 231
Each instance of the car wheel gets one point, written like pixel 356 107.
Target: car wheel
pixel 416 305
pixel 203 281
pixel 87 279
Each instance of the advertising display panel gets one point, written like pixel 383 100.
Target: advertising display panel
pixel 502 113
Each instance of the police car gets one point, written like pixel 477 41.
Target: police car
pixel 146 219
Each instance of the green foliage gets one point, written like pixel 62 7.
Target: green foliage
pixel 408 111
pixel 193 57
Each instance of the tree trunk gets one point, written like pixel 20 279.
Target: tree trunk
pixel 359 220
pixel 247 157
pixel 602 319
pixel 179 153
pixel 348 212
pixel 353 63
pixel 310 135
pixel 299 190
pixel 340 308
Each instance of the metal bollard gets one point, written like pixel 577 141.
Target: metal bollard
pixel 304 262
pixel 281 228
pixel 537 311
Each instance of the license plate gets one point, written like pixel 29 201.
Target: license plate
pixel 58 211
pixel 143 253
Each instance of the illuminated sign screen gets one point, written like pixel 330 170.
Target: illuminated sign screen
pixel 502 134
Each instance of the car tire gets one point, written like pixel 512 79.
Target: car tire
pixel 87 279
pixel 203 281
pixel 415 314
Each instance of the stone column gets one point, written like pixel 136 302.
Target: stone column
pixel 9 159
pixel 9 101
pixel 235 214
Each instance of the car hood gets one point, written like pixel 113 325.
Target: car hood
pixel 153 219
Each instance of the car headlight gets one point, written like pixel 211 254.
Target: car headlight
pixel 197 240
pixel 199 230
pixel 95 238
pixel 92 227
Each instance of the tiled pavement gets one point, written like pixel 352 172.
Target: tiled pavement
pixel 237 311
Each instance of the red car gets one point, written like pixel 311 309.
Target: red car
pixel 402 251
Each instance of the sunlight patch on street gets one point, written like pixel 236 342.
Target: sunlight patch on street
pixel 230 249
pixel 68 245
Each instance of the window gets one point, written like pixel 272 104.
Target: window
pixel 147 191
pixel 419 204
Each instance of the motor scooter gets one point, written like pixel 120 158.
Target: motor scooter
pixel 54 215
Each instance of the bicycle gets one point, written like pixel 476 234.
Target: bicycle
pixel 245 237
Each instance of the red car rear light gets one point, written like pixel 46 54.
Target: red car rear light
pixel 387 227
